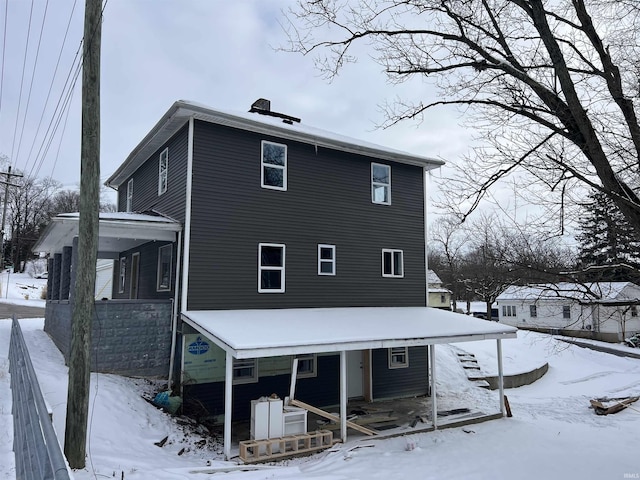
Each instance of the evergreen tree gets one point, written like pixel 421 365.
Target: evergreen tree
pixel 606 239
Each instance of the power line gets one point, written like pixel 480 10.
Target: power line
pixel 4 45
pixel 33 74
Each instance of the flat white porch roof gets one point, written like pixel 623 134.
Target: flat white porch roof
pixel 273 332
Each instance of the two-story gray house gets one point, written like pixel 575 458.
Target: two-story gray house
pixel 272 242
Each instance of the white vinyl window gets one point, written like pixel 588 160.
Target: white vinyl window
pixel 130 195
pixel 271 267
pixel 508 310
pixel 245 370
pixel 566 311
pixel 164 267
pixel 122 275
pixel 273 165
pixel 634 310
pixel 163 169
pixel 398 357
pixel 307 366
pixel 326 259
pixel 381 184
pixel 533 311
pixel 392 263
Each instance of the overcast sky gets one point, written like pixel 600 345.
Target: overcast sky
pixel 216 52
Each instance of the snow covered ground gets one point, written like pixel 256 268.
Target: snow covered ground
pixel 553 433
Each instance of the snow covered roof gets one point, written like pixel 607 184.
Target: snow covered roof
pixel 180 112
pixel 433 278
pixel 563 290
pixel 266 333
pixel 118 231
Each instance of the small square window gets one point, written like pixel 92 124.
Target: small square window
pixel 273 166
pixel 245 370
pixel 533 311
pixel 271 268
pixel 164 267
pixel 566 311
pixel 163 170
pixel 398 357
pixel 392 263
pixel 326 259
pixel 380 183
pixel 122 275
pixel 307 365
pixel 130 195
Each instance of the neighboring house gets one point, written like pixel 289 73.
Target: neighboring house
pixel 439 296
pixel 605 311
pixel 247 243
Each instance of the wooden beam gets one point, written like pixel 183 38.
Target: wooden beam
pixel 331 416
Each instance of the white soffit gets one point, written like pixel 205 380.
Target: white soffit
pixel 274 332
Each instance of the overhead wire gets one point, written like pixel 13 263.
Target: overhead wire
pixel 33 75
pixel 4 45
pixel 53 78
pixel 24 66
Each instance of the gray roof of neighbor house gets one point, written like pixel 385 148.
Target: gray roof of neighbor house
pixel 567 290
pixel 180 112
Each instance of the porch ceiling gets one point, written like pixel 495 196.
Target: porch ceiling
pixel 117 232
pixel 274 332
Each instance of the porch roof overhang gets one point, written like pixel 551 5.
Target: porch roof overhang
pixel 118 231
pixel 275 332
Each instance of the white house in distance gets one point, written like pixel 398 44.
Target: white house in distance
pixel 439 296
pixel 605 311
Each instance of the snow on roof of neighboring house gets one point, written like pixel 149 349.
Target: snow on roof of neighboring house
pixel 181 111
pixel 433 278
pixel 563 290
pixel 273 332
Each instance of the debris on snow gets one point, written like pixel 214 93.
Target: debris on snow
pixel 606 406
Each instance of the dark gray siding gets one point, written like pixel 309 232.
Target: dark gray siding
pixel 148 271
pixel 399 382
pixel 324 390
pixel 328 201
pixel 145 181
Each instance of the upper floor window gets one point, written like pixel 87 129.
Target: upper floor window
pixel 381 183
pixel 122 275
pixel 398 357
pixel 326 259
pixel 130 195
pixel 533 311
pixel 273 166
pixel 163 169
pixel 566 311
pixel 164 267
pixel 271 268
pixel 392 263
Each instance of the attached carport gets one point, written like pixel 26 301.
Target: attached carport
pixel 244 334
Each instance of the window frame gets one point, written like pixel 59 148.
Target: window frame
pixel 331 261
pixel 271 268
pixel 375 184
pixel 264 165
pixel 245 363
pixel 533 311
pixel 392 252
pixel 163 173
pixel 633 310
pixel 159 287
pixel 122 275
pixel 313 371
pixel 509 311
pixel 393 364
pixel 566 311
pixel 129 205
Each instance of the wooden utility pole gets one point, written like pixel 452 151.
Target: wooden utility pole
pixel 7 184
pixel 83 305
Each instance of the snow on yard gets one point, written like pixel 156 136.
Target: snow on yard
pixel 553 433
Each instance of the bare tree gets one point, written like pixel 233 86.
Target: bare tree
pixel 448 244
pixel 551 87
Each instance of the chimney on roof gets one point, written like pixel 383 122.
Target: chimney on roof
pixel 263 107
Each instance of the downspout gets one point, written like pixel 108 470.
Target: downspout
pixel 187 219
pixel 426 237
pixel 174 319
